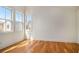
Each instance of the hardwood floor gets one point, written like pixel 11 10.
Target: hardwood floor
pixel 37 46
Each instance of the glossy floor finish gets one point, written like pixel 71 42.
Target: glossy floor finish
pixel 37 46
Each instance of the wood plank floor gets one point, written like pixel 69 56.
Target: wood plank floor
pixel 37 46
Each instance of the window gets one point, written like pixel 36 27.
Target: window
pixel 28 26
pixel 2 19
pixel 28 20
pixel 8 25
pixel 18 17
pixel 8 14
pixel 2 13
pixel 19 21
pixel 5 19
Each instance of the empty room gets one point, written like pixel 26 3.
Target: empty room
pixel 39 29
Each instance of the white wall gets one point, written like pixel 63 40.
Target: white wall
pixel 45 28
pixel 77 25
pixel 9 38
